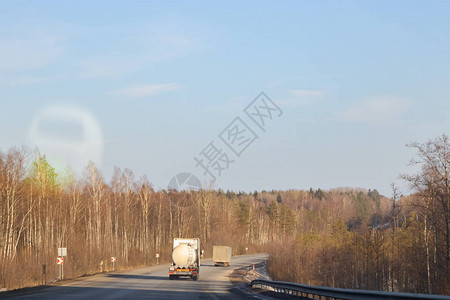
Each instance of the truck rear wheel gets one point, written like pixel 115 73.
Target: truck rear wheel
pixel 194 277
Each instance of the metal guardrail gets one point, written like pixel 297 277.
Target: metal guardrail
pixel 320 292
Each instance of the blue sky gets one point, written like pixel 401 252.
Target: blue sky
pixel 148 85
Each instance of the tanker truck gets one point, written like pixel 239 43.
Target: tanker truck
pixel 186 256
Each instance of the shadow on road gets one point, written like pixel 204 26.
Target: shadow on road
pixel 128 276
pixel 145 277
pixel 159 292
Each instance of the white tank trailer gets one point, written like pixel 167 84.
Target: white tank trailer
pixel 186 256
pixel 222 256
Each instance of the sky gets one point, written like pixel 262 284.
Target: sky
pixel 157 87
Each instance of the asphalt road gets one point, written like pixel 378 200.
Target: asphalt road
pixel 148 283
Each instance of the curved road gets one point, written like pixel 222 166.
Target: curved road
pixel 148 283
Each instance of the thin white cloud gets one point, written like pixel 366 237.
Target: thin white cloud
pixel 376 111
pixel 145 90
pixel 300 97
pixel 138 48
pixel 447 113
pixel 305 93
pixel 29 52
pixel 232 105
pixel 25 80
pixel 106 68
pixel 163 46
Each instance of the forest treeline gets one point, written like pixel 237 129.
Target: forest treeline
pixel 403 248
pixel 350 238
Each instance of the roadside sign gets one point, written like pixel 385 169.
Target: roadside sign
pixel 60 260
pixel 113 260
pixel 62 251
pixel 157 255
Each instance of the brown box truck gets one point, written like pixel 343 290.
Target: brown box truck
pixel 222 256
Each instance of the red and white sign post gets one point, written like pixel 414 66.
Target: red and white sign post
pixel 60 261
pixel 157 258
pixel 113 260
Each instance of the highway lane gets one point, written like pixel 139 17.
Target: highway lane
pixel 148 283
